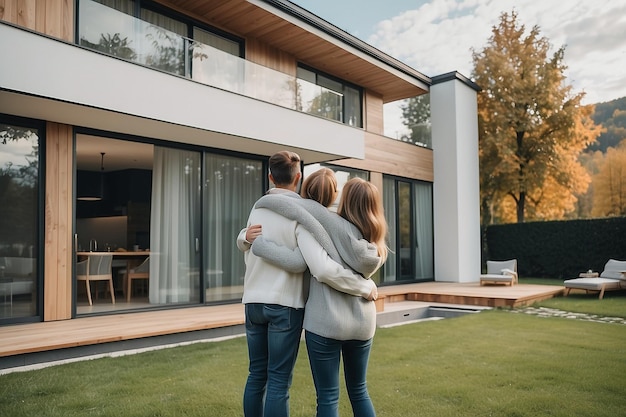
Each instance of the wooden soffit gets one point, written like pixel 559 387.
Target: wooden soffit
pixel 312 41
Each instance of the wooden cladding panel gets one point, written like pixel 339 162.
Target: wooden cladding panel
pixel 58 223
pixel 263 54
pixel 51 17
pixel 388 156
pixel 373 113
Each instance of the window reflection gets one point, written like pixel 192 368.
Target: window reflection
pixel 19 189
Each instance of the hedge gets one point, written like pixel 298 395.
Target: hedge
pixel 557 249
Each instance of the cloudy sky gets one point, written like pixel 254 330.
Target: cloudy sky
pixel 436 37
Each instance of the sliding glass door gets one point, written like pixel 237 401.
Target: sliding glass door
pixel 141 203
pixel 409 211
pixel 169 215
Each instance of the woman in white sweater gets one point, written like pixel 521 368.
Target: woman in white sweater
pixel 337 323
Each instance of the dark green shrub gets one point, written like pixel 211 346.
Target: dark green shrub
pixel 557 249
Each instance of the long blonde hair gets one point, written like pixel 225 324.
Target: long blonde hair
pixel 361 204
pixel 320 186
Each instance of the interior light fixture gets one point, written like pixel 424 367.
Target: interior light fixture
pixel 90 188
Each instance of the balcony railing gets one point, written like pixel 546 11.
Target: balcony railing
pixel 116 33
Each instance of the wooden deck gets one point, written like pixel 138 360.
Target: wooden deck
pixel 32 338
pixel 470 293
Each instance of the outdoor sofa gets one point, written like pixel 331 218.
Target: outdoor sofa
pixel 612 278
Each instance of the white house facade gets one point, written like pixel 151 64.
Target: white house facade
pixel 134 136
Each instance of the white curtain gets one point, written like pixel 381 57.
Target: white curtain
pixel 423 230
pixel 174 222
pixel 231 188
pixel 389 202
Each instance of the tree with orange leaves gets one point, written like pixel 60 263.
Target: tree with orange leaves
pixel 609 184
pixel 532 128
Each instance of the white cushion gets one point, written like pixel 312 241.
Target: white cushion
pixel 591 283
pixel 613 269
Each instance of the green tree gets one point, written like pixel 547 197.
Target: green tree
pixel 416 117
pixel 532 128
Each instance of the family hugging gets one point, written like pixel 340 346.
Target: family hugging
pixel 309 268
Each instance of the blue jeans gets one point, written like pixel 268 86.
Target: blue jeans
pixel 273 333
pixel 324 357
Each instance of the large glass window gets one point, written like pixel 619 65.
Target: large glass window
pixel 328 97
pixel 140 204
pixel 168 217
pixel 152 38
pixel 408 207
pixel 215 61
pixel 19 219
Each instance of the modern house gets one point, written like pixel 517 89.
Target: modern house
pixel 138 131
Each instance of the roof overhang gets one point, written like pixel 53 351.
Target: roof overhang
pixel 312 41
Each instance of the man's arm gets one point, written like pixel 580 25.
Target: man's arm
pixel 247 235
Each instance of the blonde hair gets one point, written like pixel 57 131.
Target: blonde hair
pixel 284 166
pixel 361 204
pixel 320 186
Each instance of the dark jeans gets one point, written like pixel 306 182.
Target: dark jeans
pixel 324 357
pixel 273 333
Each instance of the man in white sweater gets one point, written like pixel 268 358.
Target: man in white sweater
pixel 275 298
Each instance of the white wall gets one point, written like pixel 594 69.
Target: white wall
pixel 456 199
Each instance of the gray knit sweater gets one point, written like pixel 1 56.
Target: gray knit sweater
pixel 329 313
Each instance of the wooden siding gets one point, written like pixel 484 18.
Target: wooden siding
pixel 263 54
pixel 52 17
pixel 373 113
pixel 389 156
pixel 58 223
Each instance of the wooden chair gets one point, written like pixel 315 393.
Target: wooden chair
pixel 142 271
pixel 96 268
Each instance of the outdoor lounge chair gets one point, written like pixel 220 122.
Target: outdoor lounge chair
pixel 500 272
pixel 612 278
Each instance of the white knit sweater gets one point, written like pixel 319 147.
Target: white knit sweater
pixel 263 281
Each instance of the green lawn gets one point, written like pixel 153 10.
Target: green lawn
pixel 493 363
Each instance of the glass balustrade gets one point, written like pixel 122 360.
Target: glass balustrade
pixel 124 36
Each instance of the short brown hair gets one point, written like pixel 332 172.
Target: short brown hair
pixel 284 166
pixel 320 186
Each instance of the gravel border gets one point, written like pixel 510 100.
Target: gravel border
pixel 553 312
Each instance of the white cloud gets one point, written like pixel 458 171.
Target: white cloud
pixel 438 37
